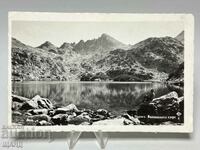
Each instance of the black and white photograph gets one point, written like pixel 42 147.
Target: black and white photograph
pixel 119 72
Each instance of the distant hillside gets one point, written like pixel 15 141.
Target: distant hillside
pixel 104 43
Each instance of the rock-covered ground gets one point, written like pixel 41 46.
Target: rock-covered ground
pixel 38 111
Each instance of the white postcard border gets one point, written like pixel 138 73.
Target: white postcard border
pixel 188 20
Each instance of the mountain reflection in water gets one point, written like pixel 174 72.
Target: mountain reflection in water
pixel 116 97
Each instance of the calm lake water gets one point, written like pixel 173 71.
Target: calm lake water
pixel 116 97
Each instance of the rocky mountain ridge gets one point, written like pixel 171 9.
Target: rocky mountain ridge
pixel 103 58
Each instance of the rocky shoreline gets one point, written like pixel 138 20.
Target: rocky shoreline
pixel 38 111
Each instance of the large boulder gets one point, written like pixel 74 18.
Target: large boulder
pixel 167 104
pixel 29 105
pixel 167 107
pixel 37 103
pixel 20 99
pixel 168 98
pixel 42 102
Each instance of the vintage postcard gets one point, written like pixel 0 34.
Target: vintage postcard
pixel 109 72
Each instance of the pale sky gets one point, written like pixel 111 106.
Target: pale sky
pixel 34 33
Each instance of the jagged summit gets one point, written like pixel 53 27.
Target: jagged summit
pixel 47 45
pixel 104 43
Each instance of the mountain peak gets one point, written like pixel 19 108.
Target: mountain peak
pixel 105 35
pixel 180 37
pixel 104 43
pixel 17 43
pixel 47 45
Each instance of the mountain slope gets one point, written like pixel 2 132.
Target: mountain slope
pixel 151 59
pixel 30 63
pixel 163 54
pixel 180 37
pixel 104 43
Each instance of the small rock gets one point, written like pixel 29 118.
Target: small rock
pixel 16 105
pixel 28 114
pixel 68 108
pixel 17 113
pixel 38 111
pixel 84 117
pixel 30 121
pixel 133 120
pixel 102 112
pixel 127 122
pixel 43 123
pixel 40 117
